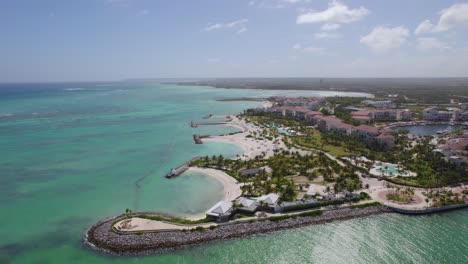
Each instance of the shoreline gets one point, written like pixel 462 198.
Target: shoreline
pixel 251 147
pixel 101 237
pixel 230 185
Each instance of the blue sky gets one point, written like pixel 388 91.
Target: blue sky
pixel 92 40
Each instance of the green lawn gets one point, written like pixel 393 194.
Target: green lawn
pixel 315 141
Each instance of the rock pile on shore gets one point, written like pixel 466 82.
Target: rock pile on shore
pixel 101 237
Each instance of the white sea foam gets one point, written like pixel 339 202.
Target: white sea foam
pixel 74 89
pixel 5 114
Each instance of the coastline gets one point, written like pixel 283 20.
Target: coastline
pixel 101 237
pixel 251 147
pixel 230 185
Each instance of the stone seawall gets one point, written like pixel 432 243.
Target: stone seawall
pixel 101 237
pixel 429 210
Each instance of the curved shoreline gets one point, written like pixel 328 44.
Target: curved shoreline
pixel 101 236
pixel 230 185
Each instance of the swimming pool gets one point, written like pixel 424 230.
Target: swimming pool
pixel 389 169
pixel 283 131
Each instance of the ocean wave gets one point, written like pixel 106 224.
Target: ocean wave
pixel 74 89
pixel 5 114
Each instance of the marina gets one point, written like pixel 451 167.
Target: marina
pixel 428 129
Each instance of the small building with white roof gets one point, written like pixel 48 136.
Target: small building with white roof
pixel 246 205
pixel 221 211
pixel 271 199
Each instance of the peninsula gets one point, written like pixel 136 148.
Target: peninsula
pixel 311 160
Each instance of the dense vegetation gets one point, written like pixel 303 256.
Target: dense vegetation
pixel 432 168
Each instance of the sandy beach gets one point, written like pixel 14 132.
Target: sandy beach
pixel 231 186
pixel 251 147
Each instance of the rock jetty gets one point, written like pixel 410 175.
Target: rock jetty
pixel 101 236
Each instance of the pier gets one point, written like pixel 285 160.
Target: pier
pixel 196 124
pixel 180 169
pixel 197 139
pixel 177 171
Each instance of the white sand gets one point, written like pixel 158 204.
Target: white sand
pixel 231 186
pixel 141 224
pixel 250 146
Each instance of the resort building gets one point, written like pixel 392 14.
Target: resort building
pixel 341 129
pixel 460 115
pixel 326 123
pixel 306 102
pixel 309 116
pixel 368 134
pixel 270 200
pixel 379 104
pixel 363 116
pixel 434 114
pixel 221 211
pixel 246 205
pixel 249 172
pixel 292 111
pixel 365 133
pixel 456 149
pixel 367 116
pixel 386 139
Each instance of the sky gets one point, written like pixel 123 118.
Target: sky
pixel 106 40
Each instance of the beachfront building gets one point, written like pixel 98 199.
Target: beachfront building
pixel 246 205
pixel 435 114
pixel 379 104
pixel 221 211
pixel 268 201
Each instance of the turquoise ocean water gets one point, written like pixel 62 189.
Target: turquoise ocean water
pixel 70 155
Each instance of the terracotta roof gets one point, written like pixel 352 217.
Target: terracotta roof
pixel 368 129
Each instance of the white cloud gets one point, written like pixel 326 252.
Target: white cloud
pixel 426 44
pixel 336 13
pixel 308 49
pixel 381 38
pixel 330 27
pixel 234 24
pixel 325 35
pixel 425 27
pixel 451 17
pixel 241 30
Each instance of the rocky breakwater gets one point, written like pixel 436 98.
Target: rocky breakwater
pixel 103 238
